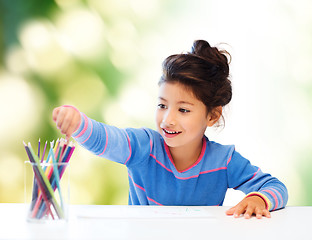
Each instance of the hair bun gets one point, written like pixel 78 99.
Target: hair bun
pixel 213 55
pixel 200 48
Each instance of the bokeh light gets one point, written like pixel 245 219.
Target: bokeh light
pixel 20 105
pixel 43 51
pixel 82 32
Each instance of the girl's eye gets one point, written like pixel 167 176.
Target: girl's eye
pixel 183 110
pixel 161 106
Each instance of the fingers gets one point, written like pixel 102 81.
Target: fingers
pixel 248 209
pixel 261 212
pixel 67 120
pixel 60 120
pixel 239 209
pixel 73 126
pixel 230 211
pixel 266 213
pixel 55 113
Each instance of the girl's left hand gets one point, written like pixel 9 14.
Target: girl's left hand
pixel 249 206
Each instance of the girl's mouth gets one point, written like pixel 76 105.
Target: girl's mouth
pixel 170 133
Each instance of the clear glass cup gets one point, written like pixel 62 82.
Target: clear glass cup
pixel 47 191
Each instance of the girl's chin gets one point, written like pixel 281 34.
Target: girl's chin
pixel 171 143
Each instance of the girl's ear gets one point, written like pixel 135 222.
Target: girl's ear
pixel 214 116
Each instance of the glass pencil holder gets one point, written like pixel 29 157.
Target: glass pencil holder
pixel 47 191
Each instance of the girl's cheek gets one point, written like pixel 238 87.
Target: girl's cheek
pixel 158 117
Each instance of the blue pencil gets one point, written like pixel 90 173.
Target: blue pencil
pixel 57 178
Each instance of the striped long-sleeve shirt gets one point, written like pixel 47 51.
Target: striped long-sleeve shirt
pixel 154 179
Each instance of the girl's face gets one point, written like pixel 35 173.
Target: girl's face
pixel 180 117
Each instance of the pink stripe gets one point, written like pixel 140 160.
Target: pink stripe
pixel 254 174
pixel 280 195
pixel 168 153
pixel 200 156
pixel 85 126
pixel 274 196
pixel 154 201
pixel 106 140
pixel 229 160
pixel 89 134
pixel 160 163
pixel 138 186
pixel 151 144
pixel 198 160
pixel 213 170
pixel 184 178
pixel 129 149
pixel 70 106
pixel 208 171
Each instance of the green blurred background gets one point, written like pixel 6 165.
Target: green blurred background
pixel 104 57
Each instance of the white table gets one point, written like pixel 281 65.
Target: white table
pixel 151 222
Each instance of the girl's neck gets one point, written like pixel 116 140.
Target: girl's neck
pixel 185 156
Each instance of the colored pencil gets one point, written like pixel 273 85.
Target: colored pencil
pixel 44 150
pixel 57 179
pixel 50 192
pixel 68 154
pixel 48 169
pixel 35 185
pixel 39 148
pixel 39 179
pixel 47 178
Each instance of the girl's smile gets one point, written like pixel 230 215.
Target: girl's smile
pixel 170 133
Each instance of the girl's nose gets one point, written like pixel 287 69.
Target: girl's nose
pixel 169 118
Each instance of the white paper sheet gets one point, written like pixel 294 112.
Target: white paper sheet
pixel 145 212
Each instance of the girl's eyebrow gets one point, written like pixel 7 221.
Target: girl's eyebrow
pixel 179 102
pixel 184 102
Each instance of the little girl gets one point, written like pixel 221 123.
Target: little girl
pixel 178 164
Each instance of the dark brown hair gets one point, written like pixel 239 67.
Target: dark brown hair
pixel 204 70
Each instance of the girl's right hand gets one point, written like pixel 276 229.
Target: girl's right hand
pixel 67 119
